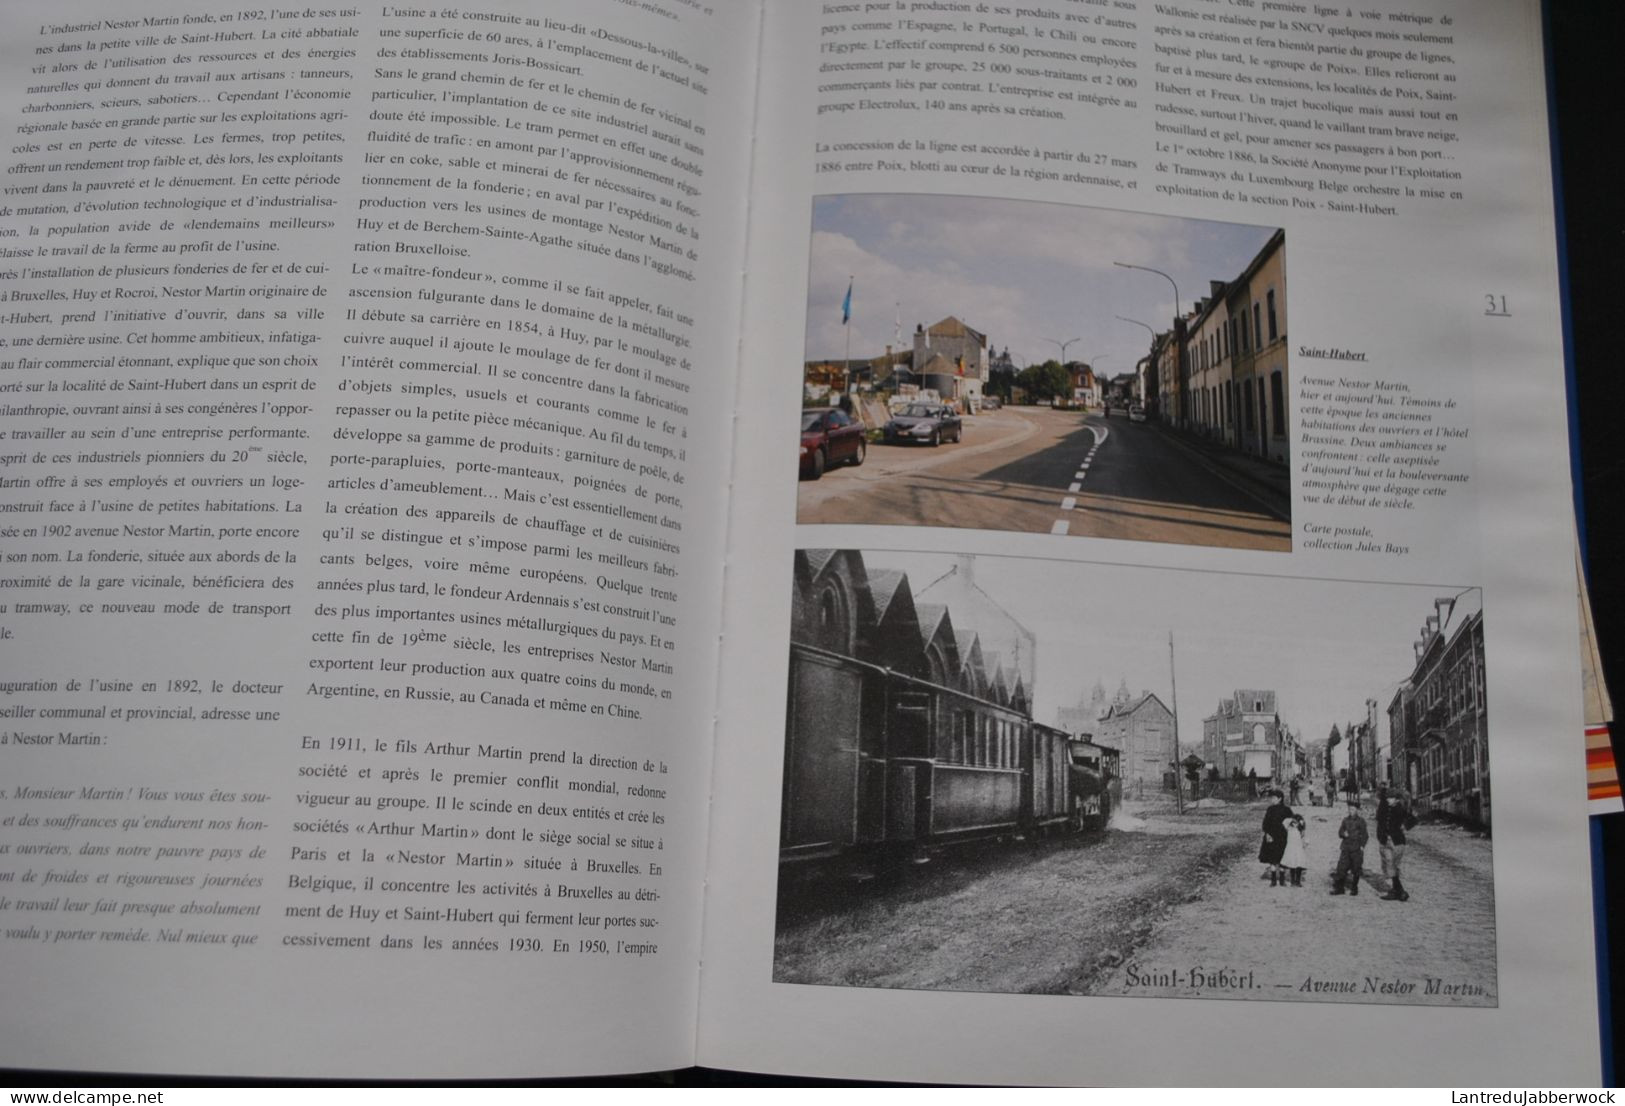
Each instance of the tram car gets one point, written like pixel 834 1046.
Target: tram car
pixel 909 724
pixel 878 761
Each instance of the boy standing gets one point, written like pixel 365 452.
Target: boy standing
pixel 1351 857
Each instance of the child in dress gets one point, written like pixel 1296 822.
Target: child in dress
pixel 1294 858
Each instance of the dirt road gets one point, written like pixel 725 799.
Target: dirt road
pixel 1160 905
pixel 1246 939
pixel 1009 918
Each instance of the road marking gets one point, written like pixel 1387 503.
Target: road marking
pixel 1070 503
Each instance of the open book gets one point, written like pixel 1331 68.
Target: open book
pixel 420 655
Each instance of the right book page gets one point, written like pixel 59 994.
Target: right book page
pixel 1179 545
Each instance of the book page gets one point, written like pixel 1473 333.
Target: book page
pixel 1179 546
pixel 364 411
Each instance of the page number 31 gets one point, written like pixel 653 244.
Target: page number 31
pixel 1495 305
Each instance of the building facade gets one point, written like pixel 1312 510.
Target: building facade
pixel 1256 305
pixel 1142 730
pixel 1438 736
pixel 1211 366
pixel 1243 737
pixel 1221 371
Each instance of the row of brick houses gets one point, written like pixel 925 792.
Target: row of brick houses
pixel 1221 370
pixel 1437 741
pixel 1438 747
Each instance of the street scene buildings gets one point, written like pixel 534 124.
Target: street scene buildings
pixel 1112 374
pixel 1438 731
pixel 919 740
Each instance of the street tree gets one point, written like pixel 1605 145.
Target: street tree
pixel 1044 382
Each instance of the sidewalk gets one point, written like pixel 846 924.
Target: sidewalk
pixel 1239 937
pixel 1266 478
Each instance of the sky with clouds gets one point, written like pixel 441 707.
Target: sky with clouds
pixel 1323 646
pixel 1018 271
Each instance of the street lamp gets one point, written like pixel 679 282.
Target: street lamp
pixel 1093 361
pixel 1159 272
pixel 1151 331
pixel 1063 346
pixel 1137 322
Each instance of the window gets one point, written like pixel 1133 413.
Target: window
pixel 1269 299
pixel 1277 405
pixel 831 630
pixel 1258 327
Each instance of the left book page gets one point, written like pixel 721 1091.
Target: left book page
pixel 363 429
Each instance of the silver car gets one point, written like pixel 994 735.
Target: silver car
pixel 932 423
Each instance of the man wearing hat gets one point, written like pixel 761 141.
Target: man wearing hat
pixel 1394 817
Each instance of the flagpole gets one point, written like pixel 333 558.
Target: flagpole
pixel 847 322
pixel 1173 686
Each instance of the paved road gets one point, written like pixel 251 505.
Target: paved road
pixel 1061 472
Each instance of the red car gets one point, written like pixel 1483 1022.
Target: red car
pixel 829 436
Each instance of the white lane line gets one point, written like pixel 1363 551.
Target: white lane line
pixel 1070 503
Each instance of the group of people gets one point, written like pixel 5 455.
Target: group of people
pixel 1285 858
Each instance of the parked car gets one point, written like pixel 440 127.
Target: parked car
pixel 1136 413
pixel 829 436
pixel 925 422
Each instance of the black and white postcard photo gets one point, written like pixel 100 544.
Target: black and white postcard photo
pixel 1030 776
pixel 1007 365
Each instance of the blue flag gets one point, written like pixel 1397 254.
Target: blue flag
pixel 846 305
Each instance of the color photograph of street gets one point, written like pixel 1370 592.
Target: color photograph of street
pixel 978 412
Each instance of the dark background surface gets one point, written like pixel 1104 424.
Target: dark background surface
pixel 1583 43
pixel 1586 53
